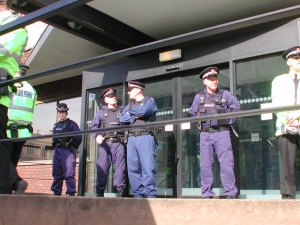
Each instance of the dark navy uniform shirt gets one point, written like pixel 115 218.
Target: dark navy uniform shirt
pixel 230 104
pixel 58 128
pixel 138 112
pixel 105 118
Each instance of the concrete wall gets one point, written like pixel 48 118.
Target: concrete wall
pixel 36 210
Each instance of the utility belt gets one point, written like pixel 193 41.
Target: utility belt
pixel 13 127
pixel 138 133
pixel 290 130
pixel 58 145
pixel 113 139
pixel 4 76
pixel 64 145
pixel 61 145
pixel 215 129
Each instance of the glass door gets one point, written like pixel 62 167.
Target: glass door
pixel 95 102
pixel 258 151
pixel 161 91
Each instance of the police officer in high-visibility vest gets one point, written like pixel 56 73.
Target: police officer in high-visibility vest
pixel 286 91
pixel 111 148
pixel 20 115
pixel 215 134
pixel 64 156
pixel 141 146
pixel 12 47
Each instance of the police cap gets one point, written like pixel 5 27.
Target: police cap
pixel 108 92
pixel 291 52
pixel 209 72
pixel 135 84
pixel 62 107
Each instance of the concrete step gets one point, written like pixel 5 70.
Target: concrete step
pixel 37 210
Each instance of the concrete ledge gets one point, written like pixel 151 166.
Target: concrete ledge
pixel 37 210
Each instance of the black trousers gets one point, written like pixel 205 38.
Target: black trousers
pixel 288 145
pixel 15 157
pixel 5 152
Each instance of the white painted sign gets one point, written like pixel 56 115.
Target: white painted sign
pixel 254 137
pixel 266 116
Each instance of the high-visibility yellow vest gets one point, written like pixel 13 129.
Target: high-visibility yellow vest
pixel 12 46
pixel 21 109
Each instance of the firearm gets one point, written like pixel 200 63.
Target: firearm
pixel 125 141
pixel 154 132
pixel 270 143
pixel 234 131
pixel 67 145
pixel 220 111
pixel 52 147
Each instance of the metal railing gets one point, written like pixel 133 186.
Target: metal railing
pixel 247 113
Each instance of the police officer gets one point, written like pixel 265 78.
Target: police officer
pixel 215 134
pixel 20 114
pixel 141 147
pixel 12 46
pixel 285 91
pixel 110 147
pixel 64 157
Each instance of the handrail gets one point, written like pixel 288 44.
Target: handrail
pixel 247 113
pixel 41 14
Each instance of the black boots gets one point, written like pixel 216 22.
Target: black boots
pixel 100 193
pixel 20 187
pixel 120 193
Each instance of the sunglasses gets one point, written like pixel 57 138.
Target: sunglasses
pixel 110 96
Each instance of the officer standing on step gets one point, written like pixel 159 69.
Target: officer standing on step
pixel 20 115
pixel 64 156
pixel 215 134
pixel 141 147
pixel 286 91
pixel 111 148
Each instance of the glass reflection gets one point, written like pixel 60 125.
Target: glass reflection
pixel 258 152
pixel 191 181
pixel 95 102
pixel 161 91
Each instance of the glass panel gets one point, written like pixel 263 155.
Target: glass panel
pixel 95 102
pixel 161 91
pixel 191 181
pixel 258 151
pixel 43 121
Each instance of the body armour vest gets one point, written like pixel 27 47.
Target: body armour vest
pixel 111 118
pixel 62 127
pixel 211 106
pixel 146 119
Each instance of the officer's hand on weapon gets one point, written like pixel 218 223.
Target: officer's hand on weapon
pixel 99 139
